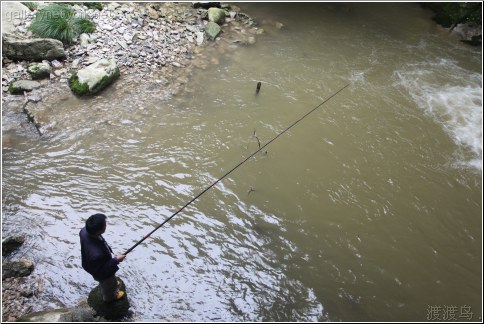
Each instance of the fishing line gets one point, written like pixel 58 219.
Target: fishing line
pixel 232 170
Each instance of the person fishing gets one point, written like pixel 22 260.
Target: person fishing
pixel 97 257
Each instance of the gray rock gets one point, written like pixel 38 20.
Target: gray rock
pixel 34 97
pixel 12 15
pixel 200 36
pixel 18 87
pixel 123 44
pixel 216 15
pixel 94 78
pixel 76 314
pixel 128 37
pixel 39 70
pixel 113 6
pixel 212 30
pixel 56 64
pixel 12 243
pixel 60 72
pixel 84 40
pixel 152 13
pixel 15 269
pixel 107 27
pixel 36 49
pixel 113 310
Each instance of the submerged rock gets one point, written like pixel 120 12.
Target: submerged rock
pixel 12 243
pixel 36 49
pixel 212 30
pixel 113 310
pixel 20 268
pixel 94 78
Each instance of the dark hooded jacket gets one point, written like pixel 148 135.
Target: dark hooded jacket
pixel 96 256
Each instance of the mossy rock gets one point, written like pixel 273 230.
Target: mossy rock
pixel 39 70
pixel 212 30
pixel 18 87
pixel 94 78
pixel 216 15
pixel 78 88
pixel 113 310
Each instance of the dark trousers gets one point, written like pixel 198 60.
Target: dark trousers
pixel 109 288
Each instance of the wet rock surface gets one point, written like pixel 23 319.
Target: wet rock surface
pixel 19 268
pixel 113 310
pixel 11 243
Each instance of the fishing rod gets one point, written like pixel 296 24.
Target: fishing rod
pixel 232 170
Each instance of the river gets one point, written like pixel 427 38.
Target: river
pixel 370 209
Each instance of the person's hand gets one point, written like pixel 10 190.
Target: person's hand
pixel 120 257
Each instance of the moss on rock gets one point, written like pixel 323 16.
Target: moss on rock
pixel 79 89
pixel 18 87
pixel 39 70
pixel 94 78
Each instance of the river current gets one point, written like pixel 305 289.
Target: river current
pixel 370 209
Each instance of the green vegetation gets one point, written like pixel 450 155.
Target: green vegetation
pixel 59 22
pixel 78 88
pixel 105 81
pixel 31 5
pixel 12 89
pixel 450 14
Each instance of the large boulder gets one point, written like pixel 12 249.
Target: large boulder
pixel 113 310
pixel 39 70
pixel 216 15
pixel 35 49
pixel 11 243
pixel 94 78
pixel 13 13
pixel 19 268
pixel 18 87
pixel 212 30
pixel 76 314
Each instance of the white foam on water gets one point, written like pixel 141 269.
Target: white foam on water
pixel 453 97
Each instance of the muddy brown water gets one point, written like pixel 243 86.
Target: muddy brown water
pixel 369 210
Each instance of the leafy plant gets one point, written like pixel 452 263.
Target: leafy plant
pixel 59 22
pixel 31 5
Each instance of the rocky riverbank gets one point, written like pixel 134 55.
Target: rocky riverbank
pixel 160 42
pixel 19 290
